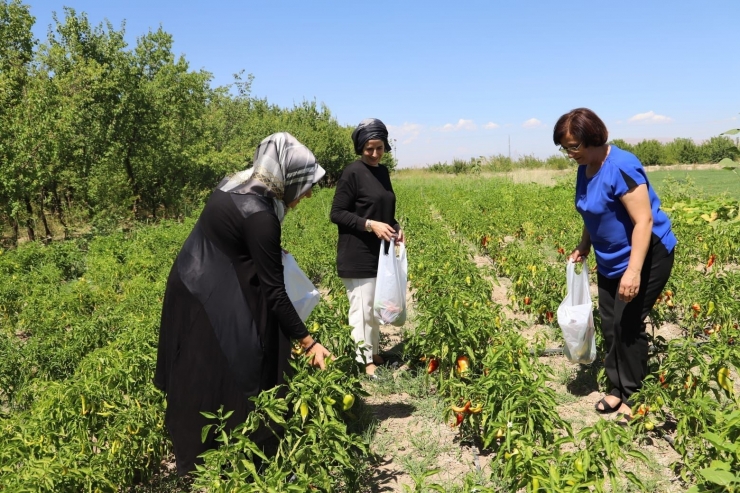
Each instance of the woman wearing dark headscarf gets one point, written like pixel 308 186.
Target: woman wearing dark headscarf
pixel 364 210
pixel 227 322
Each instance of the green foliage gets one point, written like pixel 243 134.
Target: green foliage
pixel 93 130
pixel 718 148
pixel 683 151
pixel 623 145
pixel 500 163
pixel 78 328
pixel 649 152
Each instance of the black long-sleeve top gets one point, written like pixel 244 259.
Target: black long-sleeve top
pixel 363 192
pixel 247 230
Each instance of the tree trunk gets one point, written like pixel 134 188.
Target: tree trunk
pixel 47 231
pixel 130 169
pixel 59 209
pixel 14 223
pixel 29 220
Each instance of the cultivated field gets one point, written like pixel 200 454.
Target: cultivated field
pixel 476 395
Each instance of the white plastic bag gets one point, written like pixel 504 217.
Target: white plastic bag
pixel 576 318
pixel 390 285
pixel 301 291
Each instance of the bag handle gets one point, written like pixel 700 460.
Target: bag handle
pixel 577 281
pixel 391 247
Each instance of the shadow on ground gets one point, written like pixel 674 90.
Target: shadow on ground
pixel 584 382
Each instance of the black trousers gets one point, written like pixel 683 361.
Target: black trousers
pixel 623 324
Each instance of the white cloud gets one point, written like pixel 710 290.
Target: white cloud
pixel 532 123
pixel 650 117
pixel 461 124
pixel 406 133
pixel 491 126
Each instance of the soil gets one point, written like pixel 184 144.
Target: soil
pixel 400 430
pixel 401 423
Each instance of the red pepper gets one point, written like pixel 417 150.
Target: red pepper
pixel 711 261
pixel 433 365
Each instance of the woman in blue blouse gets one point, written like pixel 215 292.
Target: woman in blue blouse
pixel 633 242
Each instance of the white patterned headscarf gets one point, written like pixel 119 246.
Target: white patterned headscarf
pixel 285 167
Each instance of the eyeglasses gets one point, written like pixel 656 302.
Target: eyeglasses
pixel 571 149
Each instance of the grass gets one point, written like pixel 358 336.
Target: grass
pixel 711 182
pixel 708 182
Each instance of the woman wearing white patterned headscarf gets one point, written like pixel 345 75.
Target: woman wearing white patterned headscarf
pixel 227 322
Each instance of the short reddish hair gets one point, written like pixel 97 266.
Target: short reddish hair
pixel 584 125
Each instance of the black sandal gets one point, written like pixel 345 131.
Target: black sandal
pixel 607 409
pixel 624 419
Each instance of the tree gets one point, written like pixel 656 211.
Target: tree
pixel 684 151
pixel 649 152
pixel 622 144
pixel 16 53
pixel 717 148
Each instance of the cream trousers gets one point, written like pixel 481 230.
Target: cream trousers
pixel 365 329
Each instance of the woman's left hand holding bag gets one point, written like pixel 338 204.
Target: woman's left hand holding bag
pixel 382 230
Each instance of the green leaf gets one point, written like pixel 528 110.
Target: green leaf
pixel 277 419
pixel 635 480
pixel 720 465
pixel 249 465
pixel 718 441
pixel 204 433
pixel 252 447
pixel 722 478
pixel 638 455
pixel 734 131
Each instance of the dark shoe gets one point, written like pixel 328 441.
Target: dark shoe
pixel 605 407
pixel 624 419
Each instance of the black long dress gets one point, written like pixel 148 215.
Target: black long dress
pixel 226 320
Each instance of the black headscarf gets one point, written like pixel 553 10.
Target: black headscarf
pixel 369 129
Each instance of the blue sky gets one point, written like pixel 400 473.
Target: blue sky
pixel 458 79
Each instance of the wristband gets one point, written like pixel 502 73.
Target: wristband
pixel 310 346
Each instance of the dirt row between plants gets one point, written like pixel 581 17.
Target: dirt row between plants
pixel 409 436
pixel 576 385
pixel 577 388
